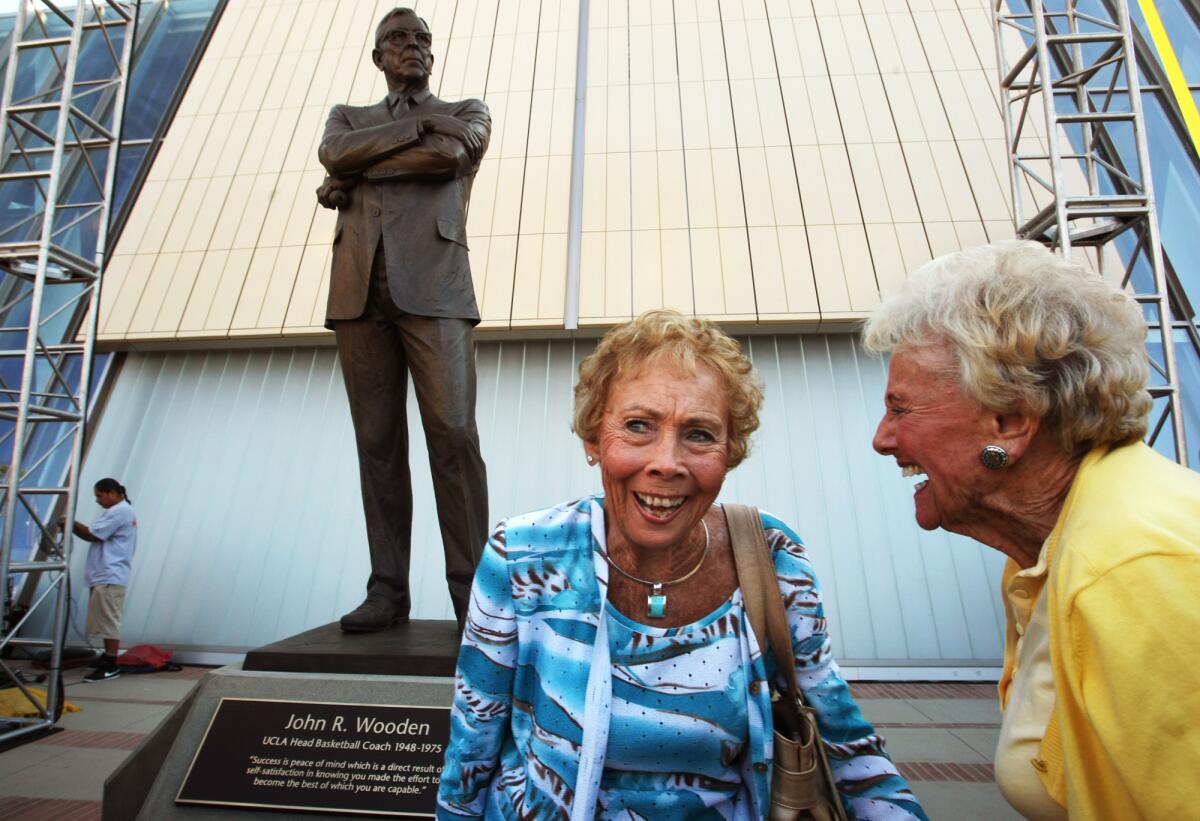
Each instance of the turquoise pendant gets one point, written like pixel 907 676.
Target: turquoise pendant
pixel 656 603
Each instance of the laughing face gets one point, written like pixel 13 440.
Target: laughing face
pixel 935 431
pixel 663 447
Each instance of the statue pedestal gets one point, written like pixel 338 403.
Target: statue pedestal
pixel 416 648
pixel 317 702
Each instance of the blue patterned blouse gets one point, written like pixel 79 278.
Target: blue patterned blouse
pixel 679 720
pixel 536 697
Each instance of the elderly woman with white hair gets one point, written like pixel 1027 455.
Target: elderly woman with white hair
pixel 1017 392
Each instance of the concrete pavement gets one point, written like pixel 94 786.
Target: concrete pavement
pixel 942 737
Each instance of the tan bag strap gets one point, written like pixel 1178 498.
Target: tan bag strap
pixel 760 592
pixel 765 610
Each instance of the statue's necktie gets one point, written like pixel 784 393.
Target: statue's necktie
pixel 403 106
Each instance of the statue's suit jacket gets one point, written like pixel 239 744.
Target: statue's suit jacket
pixel 411 189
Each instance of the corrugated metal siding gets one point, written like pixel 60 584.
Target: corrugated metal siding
pixel 227 239
pixel 767 161
pixel 749 160
pixel 242 468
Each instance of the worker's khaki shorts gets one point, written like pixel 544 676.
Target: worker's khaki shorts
pixel 104 611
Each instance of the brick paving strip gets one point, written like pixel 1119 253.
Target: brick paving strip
pixel 188 673
pixel 946 771
pixel 923 689
pixel 48 809
pixel 93 739
pixel 153 702
pixel 936 725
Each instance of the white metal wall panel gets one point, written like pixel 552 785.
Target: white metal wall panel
pixel 751 160
pixel 242 468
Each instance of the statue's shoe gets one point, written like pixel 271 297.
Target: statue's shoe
pixel 372 615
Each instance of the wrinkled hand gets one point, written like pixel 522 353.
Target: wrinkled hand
pixel 335 193
pixel 453 127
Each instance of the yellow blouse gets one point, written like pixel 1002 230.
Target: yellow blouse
pixel 1030 699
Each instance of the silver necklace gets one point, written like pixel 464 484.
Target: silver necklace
pixel 656 602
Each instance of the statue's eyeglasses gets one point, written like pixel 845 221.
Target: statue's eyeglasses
pixel 398 37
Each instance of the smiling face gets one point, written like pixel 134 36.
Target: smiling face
pixel 663 446
pixel 402 52
pixel 934 428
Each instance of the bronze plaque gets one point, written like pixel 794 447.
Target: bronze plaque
pixel 366 759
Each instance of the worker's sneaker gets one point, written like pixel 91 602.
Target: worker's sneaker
pixel 103 673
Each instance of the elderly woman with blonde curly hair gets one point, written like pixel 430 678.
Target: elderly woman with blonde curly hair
pixel 608 669
pixel 1017 391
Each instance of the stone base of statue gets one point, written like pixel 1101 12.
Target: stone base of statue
pixel 323 721
pixel 415 648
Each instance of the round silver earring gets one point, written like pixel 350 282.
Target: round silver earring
pixel 994 457
pixel 591 460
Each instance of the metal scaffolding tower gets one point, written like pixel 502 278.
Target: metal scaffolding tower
pixel 59 128
pixel 1072 104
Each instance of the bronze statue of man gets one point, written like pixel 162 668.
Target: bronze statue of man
pixel 401 301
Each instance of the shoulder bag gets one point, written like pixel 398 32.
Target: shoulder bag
pixel 802 785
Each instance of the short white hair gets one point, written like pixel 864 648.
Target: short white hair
pixel 1031 330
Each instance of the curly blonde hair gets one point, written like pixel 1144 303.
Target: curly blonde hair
pixel 669 336
pixel 1029 329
